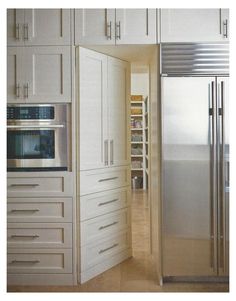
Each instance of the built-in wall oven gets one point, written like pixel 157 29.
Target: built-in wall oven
pixel 37 137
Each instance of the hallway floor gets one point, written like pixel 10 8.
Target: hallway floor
pixel 135 274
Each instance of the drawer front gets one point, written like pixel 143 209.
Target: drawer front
pixel 51 261
pixel 39 210
pixel 95 253
pixel 93 205
pixel 35 235
pixel 100 180
pixel 104 226
pixel 45 185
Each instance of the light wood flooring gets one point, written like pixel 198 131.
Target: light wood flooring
pixel 136 274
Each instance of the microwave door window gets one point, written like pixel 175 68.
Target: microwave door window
pixel 33 144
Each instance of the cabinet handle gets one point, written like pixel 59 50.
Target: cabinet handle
pixel 109 30
pixel 24 210
pixel 111 247
pixel 107 179
pixel 225 28
pixel 24 185
pixel 17 90
pixel 25 261
pixel 107 226
pixel 25 236
pixel 111 152
pixel 108 202
pixel 26 90
pixel 106 152
pixel 17 31
pixel 118 35
pixel 26 31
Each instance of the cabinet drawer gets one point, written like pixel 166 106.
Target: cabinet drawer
pixel 109 224
pixel 35 235
pixel 95 253
pixel 105 179
pixel 39 261
pixel 28 184
pixel 96 204
pixel 39 210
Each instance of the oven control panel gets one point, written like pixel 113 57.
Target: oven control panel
pixel 30 112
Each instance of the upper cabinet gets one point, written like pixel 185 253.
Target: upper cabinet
pixel 194 25
pixel 115 26
pixel 26 27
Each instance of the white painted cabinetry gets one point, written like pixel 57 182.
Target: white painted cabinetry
pixel 194 25
pixel 27 27
pixel 39 74
pixel 115 26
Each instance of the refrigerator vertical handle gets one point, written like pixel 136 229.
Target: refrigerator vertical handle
pixel 213 180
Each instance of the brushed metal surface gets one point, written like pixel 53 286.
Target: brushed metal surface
pixel 195 59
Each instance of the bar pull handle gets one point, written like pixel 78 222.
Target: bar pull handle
pixel 225 28
pixel 17 31
pixel 26 31
pixel 25 261
pixel 109 30
pixel 36 126
pixel 26 90
pixel 24 185
pixel 107 179
pixel 18 90
pixel 109 248
pixel 25 236
pixel 108 202
pixel 107 226
pixel 106 152
pixel 118 32
pixel 111 152
pixel 24 210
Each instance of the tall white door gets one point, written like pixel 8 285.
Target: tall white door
pixel 47 27
pixel 136 26
pixel 93 109
pixel 15 27
pixel 191 25
pixel 48 74
pixel 118 93
pixel 95 26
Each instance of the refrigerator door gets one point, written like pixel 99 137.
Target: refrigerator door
pixel 189 176
pixel 223 173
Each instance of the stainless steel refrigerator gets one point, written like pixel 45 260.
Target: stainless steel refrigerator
pixel 195 161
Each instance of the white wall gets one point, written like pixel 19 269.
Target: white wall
pixel 140 84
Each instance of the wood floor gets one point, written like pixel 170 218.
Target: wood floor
pixel 135 274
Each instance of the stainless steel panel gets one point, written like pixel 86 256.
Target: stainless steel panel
pixel 189 203
pixel 195 59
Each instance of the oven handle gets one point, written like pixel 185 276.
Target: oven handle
pixel 35 126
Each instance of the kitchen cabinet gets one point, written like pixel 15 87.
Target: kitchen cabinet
pixel 115 26
pixel 27 27
pixel 103 110
pixel 39 74
pixel 194 25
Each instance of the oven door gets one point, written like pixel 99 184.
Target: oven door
pixel 32 147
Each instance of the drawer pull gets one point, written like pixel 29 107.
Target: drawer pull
pixel 111 247
pixel 107 179
pixel 24 185
pixel 25 261
pixel 24 210
pixel 108 202
pixel 106 226
pixel 24 236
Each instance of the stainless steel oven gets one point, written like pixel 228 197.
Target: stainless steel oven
pixel 37 137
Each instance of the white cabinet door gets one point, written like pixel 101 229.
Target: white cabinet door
pixel 15 75
pixel 118 93
pixel 15 27
pixel 95 26
pixel 136 26
pixel 93 109
pixel 191 25
pixel 47 27
pixel 48 74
